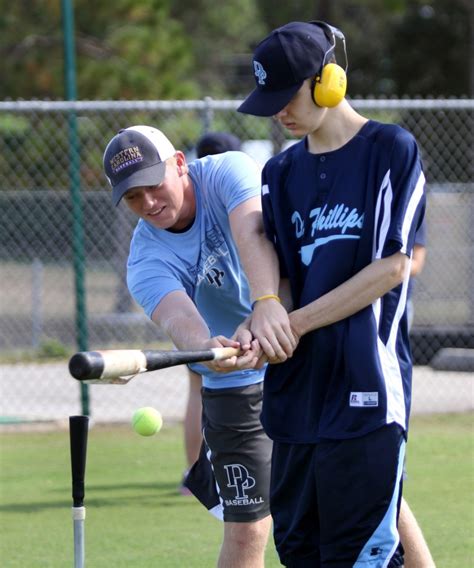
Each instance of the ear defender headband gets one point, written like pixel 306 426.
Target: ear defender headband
pixel 329 87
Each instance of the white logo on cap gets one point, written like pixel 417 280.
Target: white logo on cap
pixel 260 72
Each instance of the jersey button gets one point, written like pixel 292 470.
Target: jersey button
pixel 322 159
pixel 323 176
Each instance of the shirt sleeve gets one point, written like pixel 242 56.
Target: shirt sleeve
pixel 148 285
pixel 149 278
pixel 403 199
pixel 236 179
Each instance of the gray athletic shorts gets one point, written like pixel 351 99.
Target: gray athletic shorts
pixel 232 475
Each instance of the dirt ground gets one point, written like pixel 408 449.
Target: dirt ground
pixel 46 393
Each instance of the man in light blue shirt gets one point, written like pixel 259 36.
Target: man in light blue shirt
pixel 200 226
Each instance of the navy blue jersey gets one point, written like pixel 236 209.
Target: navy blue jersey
pixel 330 215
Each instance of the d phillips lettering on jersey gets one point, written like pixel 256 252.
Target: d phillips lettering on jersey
pixel 339 217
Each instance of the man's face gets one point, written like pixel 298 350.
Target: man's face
pixel 301 116
pixel 163 205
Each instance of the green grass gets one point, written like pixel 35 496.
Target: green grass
pixel 136 518
pixel 439 488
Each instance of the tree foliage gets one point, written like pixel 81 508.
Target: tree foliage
pixel 222 37
pixel 128 49
pixel 437 54
pixel 177 49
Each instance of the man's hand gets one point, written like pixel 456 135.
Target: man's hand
pixel 248 359
pixel 270 325
pixel 253 356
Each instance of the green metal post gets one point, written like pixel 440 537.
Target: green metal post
pixel 75 189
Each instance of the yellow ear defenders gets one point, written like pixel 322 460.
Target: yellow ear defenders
pixel 329 87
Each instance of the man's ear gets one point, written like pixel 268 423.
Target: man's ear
pixel 181 163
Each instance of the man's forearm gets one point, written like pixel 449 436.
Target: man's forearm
pixel 185 333
pixel 179 318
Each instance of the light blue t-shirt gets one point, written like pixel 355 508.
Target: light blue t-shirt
pixel 202 261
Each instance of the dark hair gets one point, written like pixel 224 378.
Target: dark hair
pixel 216 143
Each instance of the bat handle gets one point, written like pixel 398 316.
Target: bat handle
pixel 224 352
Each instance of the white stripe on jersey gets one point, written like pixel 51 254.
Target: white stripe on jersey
pixel 386 194
pixel 387 353
pixel 395 395
pixel 411 209
pixel 389 363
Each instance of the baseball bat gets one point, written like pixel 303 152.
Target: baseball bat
pixel 115 365
pixel 78 430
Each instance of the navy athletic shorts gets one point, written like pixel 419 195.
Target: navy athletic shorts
pixel 232 475
pixel 335 503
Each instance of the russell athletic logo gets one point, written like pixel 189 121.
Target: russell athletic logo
pixel 238 478
pixel 364 399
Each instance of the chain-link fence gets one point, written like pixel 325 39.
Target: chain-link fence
pixel 63 246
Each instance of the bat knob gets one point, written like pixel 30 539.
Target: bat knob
pixel 86 365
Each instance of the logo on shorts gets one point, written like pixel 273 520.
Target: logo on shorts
pixel 364 399
pixel 239 478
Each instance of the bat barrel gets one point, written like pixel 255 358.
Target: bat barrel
pixel 97 365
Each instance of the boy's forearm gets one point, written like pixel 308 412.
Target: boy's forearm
pixel 360 291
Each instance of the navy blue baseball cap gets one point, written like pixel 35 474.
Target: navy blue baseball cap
pixel 282 61
pixel 136 157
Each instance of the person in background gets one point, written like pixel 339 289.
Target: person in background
pixel 218 142
pixel 208 144
pixel 417 265
pixel 341 207
pixel 189 257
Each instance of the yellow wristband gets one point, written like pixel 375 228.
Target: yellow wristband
pixel 266 297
